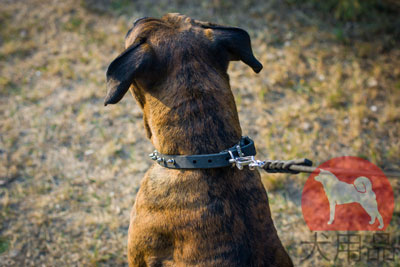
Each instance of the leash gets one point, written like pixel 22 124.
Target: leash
pixel 242 154
pixel 305 166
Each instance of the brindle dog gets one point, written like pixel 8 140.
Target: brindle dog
pixel 176 68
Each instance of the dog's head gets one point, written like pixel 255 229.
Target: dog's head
pixel 176 68
pixel 174 47
pixel 325 176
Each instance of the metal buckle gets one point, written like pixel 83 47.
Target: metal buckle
pixel 241 161
pixel 239 150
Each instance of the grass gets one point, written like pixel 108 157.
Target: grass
pixel 70 168
pixel 4 244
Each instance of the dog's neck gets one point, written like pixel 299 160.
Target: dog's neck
pixel 198 120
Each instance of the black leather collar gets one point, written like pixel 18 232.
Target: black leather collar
pixel 206 161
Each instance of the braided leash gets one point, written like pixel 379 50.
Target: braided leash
pixel 289 166
pixel 301 165
pixel 273 166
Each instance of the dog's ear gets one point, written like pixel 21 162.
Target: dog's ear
pixel 237 43
pixel 123 70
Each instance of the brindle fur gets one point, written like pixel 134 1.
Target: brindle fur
pixel 176 68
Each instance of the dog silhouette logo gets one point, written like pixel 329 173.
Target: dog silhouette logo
pixel 347 194
pixel 339 192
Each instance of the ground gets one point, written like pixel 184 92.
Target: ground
pixel 70 167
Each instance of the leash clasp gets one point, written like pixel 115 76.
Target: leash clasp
pixel 250 161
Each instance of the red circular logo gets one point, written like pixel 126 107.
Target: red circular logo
pixel 347 194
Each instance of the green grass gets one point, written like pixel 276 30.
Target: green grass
pixel 4 244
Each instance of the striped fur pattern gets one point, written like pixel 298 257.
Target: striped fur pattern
pixel 176 68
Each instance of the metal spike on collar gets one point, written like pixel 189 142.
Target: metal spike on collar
pixel 153 155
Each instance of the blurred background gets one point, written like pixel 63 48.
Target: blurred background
pixel 70 167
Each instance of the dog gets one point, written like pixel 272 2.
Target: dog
pixel 339 192
pixel 176 68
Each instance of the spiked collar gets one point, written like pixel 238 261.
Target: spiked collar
pixel 244 148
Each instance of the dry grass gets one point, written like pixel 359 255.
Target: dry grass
pixel 70 168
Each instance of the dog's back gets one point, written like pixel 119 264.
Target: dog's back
pixel 176 68
pixel 205 218
pixel 341 192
